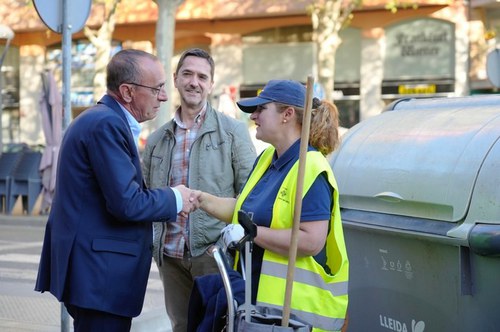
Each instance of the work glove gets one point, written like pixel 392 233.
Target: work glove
pixel 232 234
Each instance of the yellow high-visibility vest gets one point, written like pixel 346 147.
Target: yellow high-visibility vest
pixel 318 298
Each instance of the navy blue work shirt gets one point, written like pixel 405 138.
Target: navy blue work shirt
pixel 316 205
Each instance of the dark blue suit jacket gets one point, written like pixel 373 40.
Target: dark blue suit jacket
pixel 97 247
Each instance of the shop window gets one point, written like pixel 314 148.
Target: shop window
pixel 10 94
pixel 420 59
pixel 293 34
pixel 348 112
pixel 82 69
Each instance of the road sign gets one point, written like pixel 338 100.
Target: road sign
pixel 51 13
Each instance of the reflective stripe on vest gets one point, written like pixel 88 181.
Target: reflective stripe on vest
pixel 317 297
pixel 328 323
pixel 307 277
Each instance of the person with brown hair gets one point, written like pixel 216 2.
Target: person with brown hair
pixel 206 150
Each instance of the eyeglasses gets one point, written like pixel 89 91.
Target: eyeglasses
pixel 156 91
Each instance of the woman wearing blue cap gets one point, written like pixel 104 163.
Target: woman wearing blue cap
pixel 319 294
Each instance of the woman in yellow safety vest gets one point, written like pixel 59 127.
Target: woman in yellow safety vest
pixel 319 294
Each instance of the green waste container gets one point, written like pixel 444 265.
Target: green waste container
pixel 420 201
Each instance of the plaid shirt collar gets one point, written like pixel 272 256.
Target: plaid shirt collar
pixel 199 117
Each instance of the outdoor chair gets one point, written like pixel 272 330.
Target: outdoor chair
pixel 8 161
pixel 25 182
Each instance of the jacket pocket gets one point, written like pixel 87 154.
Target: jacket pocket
pixel 117 246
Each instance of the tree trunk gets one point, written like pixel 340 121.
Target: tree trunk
pixel 102 43
pixel 165 42
pixel 328 17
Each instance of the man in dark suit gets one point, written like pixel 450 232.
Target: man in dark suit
pixel 96 254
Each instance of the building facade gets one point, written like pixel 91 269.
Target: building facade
pixel 433 48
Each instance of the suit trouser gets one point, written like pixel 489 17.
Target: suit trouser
pixel 89 320
pixel 178 276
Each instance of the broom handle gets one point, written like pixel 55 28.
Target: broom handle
pixel 292 253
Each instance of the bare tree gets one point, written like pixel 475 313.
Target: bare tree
pixel 165 42
pixel 328 17
pixel 101 39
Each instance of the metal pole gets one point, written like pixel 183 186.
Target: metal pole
pixel 66 87
pixel 1 96
pixel 8 34
pixel 66 64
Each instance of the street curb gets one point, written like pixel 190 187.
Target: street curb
pixel 24 220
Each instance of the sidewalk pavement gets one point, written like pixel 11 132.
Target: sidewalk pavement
pixel 23 309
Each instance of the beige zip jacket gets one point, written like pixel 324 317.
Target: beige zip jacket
pixel 221 159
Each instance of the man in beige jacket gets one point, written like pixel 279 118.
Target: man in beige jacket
pixel 202 149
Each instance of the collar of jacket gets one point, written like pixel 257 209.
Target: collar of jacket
pixel 113 104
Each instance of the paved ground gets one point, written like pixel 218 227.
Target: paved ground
pixel 24 310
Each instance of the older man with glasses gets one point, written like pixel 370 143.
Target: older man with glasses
pixel 96 254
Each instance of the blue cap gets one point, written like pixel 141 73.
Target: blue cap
pixel 285 92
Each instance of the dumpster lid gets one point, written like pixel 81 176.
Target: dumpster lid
pixel 421 158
